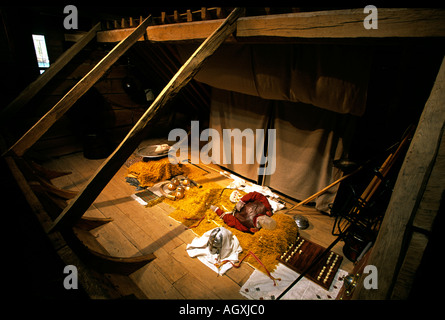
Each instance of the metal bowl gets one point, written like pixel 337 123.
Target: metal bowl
pixel 149 152
pixel 301 221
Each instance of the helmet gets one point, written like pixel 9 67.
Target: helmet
pixel 215 241
pixel 221 242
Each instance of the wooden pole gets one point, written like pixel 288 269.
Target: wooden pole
pixel 319 193
pixel 375 182
pixel 108 169
pixel 384 169
pixel 33 134
pixel 31 90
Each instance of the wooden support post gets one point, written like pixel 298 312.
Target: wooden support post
pixel 33 134
pixel 204 13
pixel 26 95
pixel 163 17
pixel 220 12
pixel 389 251
pixel 189 15
pixel 108 169
pixel 176 16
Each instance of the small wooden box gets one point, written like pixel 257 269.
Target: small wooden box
pixel 300 255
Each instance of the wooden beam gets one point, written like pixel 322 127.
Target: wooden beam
pixel 334 24
pixel 33 134
pixel 397 22
pixel 47 173
pixel 32 89
pixel 89 223
pixel 406 276
pixel 389 248
pixel 92 282
pixel 195 31
pixel 108 169
pixel 80 239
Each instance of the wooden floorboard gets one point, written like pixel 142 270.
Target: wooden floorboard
pixel 222 286
pixel 136 230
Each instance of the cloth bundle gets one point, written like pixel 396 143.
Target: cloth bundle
pixel 229 250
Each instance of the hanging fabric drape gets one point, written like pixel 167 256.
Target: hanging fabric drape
pixel 308 139
pixel 310 94
pixel 331 77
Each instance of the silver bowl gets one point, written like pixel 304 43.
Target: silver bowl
pixel 301 221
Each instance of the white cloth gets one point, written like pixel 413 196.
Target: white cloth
pixel 241 184
pixel 260 286
pixel 230 250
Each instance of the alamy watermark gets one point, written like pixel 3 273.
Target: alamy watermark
pixel 254 147
pixel 371 20
pixel 71 280
pixel 371 281
pixel 71 20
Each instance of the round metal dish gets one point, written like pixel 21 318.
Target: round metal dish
pixel 301 221
pixel 149 152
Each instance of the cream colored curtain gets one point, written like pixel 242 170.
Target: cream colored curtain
pixel 311 94
pixel 231 110
pixel 308 139
pixel 330 77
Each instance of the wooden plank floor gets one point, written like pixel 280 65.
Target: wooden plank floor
pixel 137 230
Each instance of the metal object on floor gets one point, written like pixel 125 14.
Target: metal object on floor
pixel 301 221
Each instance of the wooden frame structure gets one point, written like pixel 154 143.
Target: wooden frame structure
pixel 389 249
pixel 322 25
pixel 68 221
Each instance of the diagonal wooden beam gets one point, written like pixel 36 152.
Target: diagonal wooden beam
pixel 32 89
pixel 390 246
pixel 108 169
pixel 33 134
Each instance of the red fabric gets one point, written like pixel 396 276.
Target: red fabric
pixel 256 196
pixel 233 222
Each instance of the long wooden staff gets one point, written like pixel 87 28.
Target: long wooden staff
pixel 386 166
pixel 319 193
pixel 375 182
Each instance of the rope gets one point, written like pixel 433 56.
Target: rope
pixel 237 265
pixel 197 224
